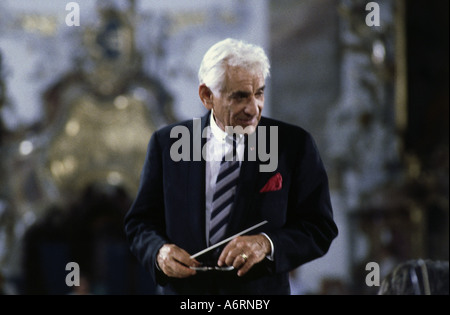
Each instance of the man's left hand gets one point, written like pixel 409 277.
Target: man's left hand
pixel 245 251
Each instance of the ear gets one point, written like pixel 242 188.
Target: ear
pixel 206 96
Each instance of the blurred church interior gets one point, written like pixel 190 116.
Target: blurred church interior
pixel 78 105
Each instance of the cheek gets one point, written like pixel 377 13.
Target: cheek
pixel 226 115
pixel 259 110
pixel 232 118
pixel 232 112
pixel 261 106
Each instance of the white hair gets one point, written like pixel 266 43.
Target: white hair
pixel 234 53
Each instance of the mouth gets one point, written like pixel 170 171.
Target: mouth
pixel 247 121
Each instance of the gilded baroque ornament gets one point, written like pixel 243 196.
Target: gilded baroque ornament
pixel 103 117
pixel 100 142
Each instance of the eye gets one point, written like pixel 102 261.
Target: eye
pixel 260 93
pixel 240 95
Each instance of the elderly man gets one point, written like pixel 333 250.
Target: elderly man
pixel 189 201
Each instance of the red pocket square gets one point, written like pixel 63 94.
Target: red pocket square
pixel 273 184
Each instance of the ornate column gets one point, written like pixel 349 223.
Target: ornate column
pixel 366 154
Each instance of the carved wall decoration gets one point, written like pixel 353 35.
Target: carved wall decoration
pixel 103 119
pixel 97 124
pixel 395 210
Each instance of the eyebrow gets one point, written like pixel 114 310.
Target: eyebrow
pixel 246 93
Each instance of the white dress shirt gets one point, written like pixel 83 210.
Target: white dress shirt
pixel 216 146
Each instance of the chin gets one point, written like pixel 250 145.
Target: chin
pixel 250 129
pixel 245 129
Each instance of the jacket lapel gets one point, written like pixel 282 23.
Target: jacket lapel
pixel 195 185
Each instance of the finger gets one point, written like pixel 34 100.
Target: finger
pixel 184 258
pixel 234 258
pixel 237 257
pixel 239 261
pixel 178 254
pixel 178 270
pixel 224 257
pixel 224 254
pixel 175 261
pixel 245 268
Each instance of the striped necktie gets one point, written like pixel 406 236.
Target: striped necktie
pixel 223 197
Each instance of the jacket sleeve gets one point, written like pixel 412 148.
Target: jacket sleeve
pixel 309 228
pixel 144 222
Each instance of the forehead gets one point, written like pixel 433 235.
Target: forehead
pixel 243 78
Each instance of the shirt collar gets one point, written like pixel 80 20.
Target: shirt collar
pixel 218 133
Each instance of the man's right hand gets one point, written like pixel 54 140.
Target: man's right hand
pixel 175 261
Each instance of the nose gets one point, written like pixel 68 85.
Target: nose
pixel 252 107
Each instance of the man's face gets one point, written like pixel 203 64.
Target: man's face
pixel 241 101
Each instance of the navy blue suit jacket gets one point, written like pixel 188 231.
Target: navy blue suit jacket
pixel 170 208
